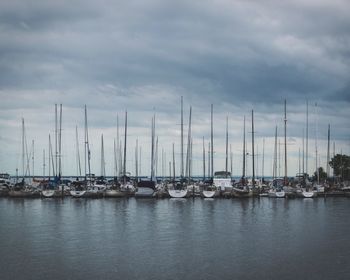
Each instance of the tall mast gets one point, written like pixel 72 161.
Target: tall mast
pixel 328 156
pixel 103 168
pixel 226 162
pixel 263 160
pixel 152 147
pixel 307 139
pixel 87 148
pixel 212 143
pixel 115 158
pixel 188 154
pixel 173 163
pixel 23 149
pixel 85 142
pixel 203 160
pixel 303 161
pixel 182 141
pixel 136 159
pixel 316 148
pixel 78 154
pixel 209 159
pixel 33 159
pixel 49 157
pixel 253 166
pixel 60 146
pixel 285 141
pixel 243 172
pixel 299 167
pixel 231 160
pixel 117 165
pixel 125 130
pixel 56 138
pixel 52 158
pixel 274 171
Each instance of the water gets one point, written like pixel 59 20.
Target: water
pixel 175 239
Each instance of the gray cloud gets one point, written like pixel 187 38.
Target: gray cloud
pixel 143 55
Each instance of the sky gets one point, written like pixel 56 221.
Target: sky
pixel 142 56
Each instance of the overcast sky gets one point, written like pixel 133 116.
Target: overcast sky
pixel 142 56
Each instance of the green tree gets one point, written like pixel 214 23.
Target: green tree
pixel 323 174
pixel 341 165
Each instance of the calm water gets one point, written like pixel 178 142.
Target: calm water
pixel 175 239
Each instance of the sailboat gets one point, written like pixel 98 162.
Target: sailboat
pixel 22 189
pixel 126 184
pixel 241 188
pixel 178 190
pixel 277 190
pixel 55 189
pixel 79 187
pixel 145 188
pixel 306 190
pixel 209 190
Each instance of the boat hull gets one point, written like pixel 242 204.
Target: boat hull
pixel 177 193
pixel 114 193
pixel 208 194
pixel 77 194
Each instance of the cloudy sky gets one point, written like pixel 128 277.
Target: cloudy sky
pixel 142 56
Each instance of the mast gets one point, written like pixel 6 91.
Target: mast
pixel 316 147
pixel 212 143
pixel 274 171
pixel 328 147
pixel 52 158
pixel 285 142
pixel 136 160
pixel 49 156
pixel 85 142
pixel 117 164
pixel 263 161
pixel 307 138
pixel 188 154
pixel 103 168
pixel 203 160
pixel 226 161
pixel 115 158
pixel 78 154
pixel 303 161
pixel 87 148
pixel 209 159
pixel 231 161
pixel 56 138
pixel 182 141
pixel 125 130
pixel 23 150
pixel 243 172
pixel 253 161
pixel 60 146
pixel 173 164
pixel 33 159
pixel 152 147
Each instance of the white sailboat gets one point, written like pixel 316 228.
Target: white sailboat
pixel 209 190
pixel 241 189
pixel 178 189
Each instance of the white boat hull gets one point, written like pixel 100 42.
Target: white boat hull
pixel 307 194
pixel 48 193
pixel 77 194
pixel 277 194
pixel 177 193
pixel 208 194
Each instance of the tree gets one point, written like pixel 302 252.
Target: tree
pixel 341 166
pixel 323 174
